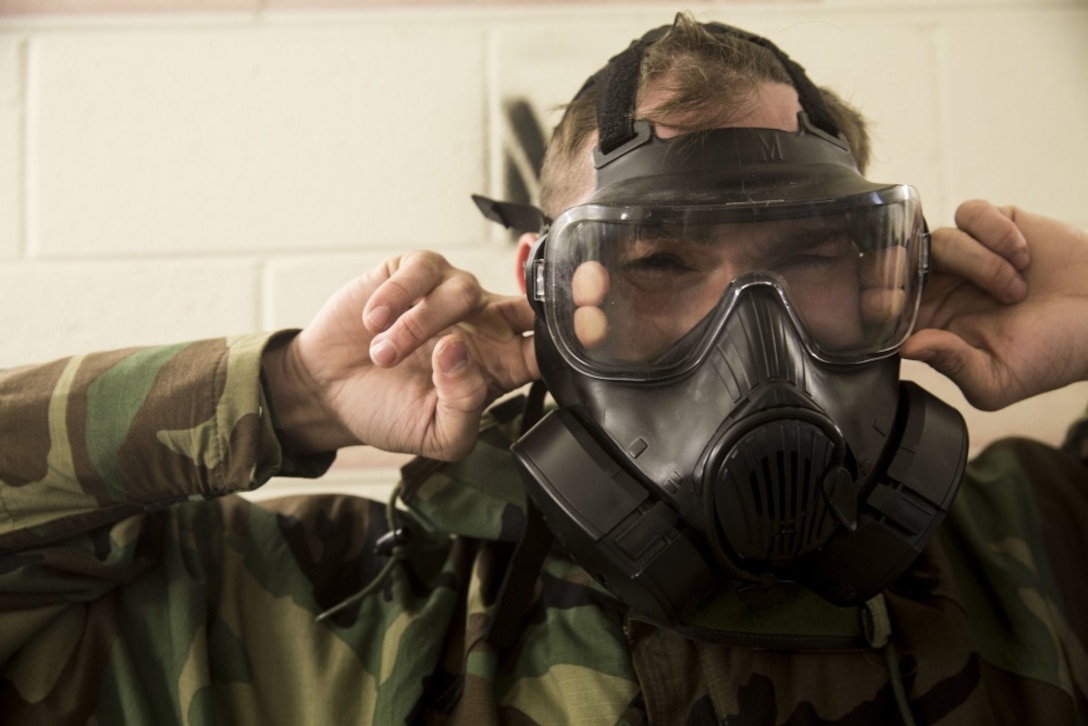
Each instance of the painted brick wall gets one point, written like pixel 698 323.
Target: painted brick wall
pixel 171 170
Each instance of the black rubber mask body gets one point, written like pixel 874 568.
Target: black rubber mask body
pixel 751 459
pixel 762 465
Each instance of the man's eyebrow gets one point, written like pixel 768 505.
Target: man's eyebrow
pixel 678 235
pixel 803 238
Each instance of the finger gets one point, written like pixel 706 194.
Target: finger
pixel 886 268
pixel 407 279
pixel 519 316
pixel 968 367
pixel 590 326
pixel 995 228
pixel 455 298
pixel 528 355
pixel 589 284
pixel 462 395
pixel 885 277
pixel 516 312
pixel 958 253
pixel 882 307
pixel 502 344
pixel 499 317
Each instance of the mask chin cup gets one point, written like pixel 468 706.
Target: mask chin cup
pixel 640 548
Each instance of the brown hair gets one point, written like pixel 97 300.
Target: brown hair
pixel 710 79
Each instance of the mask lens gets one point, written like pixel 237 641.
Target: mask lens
pixel 629 290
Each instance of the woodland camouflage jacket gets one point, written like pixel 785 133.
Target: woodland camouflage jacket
pixel 136 589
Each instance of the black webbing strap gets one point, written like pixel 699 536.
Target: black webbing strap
pixel 617 86
pixel 516 593
pixel 617 89
pixel 812 101
pixel 533 410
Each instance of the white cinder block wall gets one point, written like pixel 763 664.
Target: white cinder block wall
pixel 170 174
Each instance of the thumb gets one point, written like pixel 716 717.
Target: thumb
pixel 968 367
pixel 462 396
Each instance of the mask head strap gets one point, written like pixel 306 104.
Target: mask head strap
pixel 618 83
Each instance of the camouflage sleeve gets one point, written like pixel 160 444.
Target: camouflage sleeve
pixel 1015 539
pixel 90 440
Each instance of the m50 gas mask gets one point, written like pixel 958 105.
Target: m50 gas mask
pixel 718 325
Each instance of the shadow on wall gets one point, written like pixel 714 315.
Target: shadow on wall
pixel 523 153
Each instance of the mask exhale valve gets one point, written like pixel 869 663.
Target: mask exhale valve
pixel 778 491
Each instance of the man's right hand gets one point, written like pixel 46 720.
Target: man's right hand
pixel 405 358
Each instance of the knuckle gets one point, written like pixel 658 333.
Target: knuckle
pixel 1010 240
pixel 410 328
pixel 464 289
pixel 997 270
pixel 411 275
pixel 1006 234
pixel 400 294
pixel 425 266
pixel 970 211
pixel 426 258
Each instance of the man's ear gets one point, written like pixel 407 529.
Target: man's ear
pixel 525 246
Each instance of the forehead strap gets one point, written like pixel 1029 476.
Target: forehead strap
pixel 617 87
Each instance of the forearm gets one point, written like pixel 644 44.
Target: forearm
pixel 90 440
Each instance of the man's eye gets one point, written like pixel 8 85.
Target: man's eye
pixel 821 252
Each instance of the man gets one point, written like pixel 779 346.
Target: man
pixel 133 591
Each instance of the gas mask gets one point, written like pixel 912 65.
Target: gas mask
pixel 718 325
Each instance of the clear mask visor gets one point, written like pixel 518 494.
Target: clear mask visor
pixel 641 292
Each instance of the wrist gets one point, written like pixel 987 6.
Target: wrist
pixel 304 425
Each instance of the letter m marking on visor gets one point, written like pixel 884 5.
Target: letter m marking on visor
pixel 770 149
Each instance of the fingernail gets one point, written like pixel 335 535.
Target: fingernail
pixel 1017 289
pixel 378 318
pixel 453 358
pixel 1020 259
pixel 383 353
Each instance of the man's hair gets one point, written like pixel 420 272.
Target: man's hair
pixel 710 79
